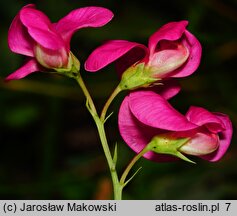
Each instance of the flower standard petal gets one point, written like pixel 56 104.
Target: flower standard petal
pixel 41 29
pixel 109 52
pixel 30 67
pixel 19 40
pixel 136 134
pixel 195 53
pixel 171 31
pixel 153 110
pixel 82 18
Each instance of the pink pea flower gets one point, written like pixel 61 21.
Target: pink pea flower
pixel 146 117
pixel 46 44
pixel 172 52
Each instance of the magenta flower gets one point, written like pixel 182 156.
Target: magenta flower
pixel 145 116
pixel 172 52
pixel 46 44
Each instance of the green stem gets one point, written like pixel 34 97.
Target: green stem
pixel 86 93
pixel 100 126
pixel 112 166
pixel 131 164
pixel 116 91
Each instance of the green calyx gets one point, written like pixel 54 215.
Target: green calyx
pixel 72 69
pixel 163 144
pixel 136 77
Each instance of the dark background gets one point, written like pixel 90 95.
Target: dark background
pixel 49 147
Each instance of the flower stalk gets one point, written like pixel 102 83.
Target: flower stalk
pixel 123 181
pixel 116 91
pixel 99 121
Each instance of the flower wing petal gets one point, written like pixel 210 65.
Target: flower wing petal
pixel 109 52
pixel 201 116
pixel 30 67
pixel 134 55
pixel 170 31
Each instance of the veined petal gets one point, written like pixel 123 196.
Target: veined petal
pixel 136 134
pixel 224 139
pixel 171 31
pixel 153 110
pixel 30 67
pixel 195 53
pixel 41 29
pixel 109 52
pixel 201 116
pixel 19 40
pixel 82 18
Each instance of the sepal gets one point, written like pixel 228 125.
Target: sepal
pixel 135 77
pixel 165 144
pixel 72 69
